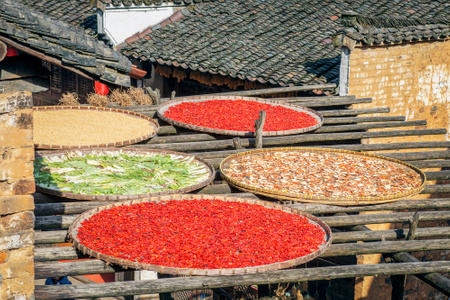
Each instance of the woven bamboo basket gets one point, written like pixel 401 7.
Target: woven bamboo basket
pixel 165 106
pixel 73 231
pixel 286 195
pixel 40 189
pixel 154 127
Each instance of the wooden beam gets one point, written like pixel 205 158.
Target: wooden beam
pixel 289 140
pixel 201 137
pixel 204 282
pixel 278 90
pixel 78 207
pixel 438 281
pixel 60 236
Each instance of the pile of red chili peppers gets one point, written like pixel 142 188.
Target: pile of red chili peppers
pixel 238 115
pixel 203 234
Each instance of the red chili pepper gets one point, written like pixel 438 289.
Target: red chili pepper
pixel 239 115
pixel 204 234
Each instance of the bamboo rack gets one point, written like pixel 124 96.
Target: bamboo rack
pixel 343 128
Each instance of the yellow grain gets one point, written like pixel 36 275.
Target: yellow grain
pixel 87 127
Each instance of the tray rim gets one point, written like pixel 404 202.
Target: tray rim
pixel 321 199
pixel 72 233
pixel 164 106
pixel 153 122
pixel 75 196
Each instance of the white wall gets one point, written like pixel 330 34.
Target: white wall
pixel 120 23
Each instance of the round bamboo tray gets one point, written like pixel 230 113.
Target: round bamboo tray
pixel 154 127
pixel 165 106
pixel 286 195
pixel 44 190
pixel 73 231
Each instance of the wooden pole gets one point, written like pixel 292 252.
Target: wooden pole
pixel 202 282
pixel 65 253
pixel 399 281
pixel 259 126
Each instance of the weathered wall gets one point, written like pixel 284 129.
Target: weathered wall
pixel 16 202
pixel 412 79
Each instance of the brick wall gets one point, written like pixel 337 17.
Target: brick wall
pixel 412 79
pixel 16 202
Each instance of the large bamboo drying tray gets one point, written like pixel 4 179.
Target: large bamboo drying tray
pixel 165 106
pixel 212 174
pixel 191 271
pixel 119 141
pixel 286 195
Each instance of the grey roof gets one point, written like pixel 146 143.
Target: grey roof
pixel 386 29
pixel 61 41
pixel 285 42
pixel 79 13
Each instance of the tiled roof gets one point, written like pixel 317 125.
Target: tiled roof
pixel 76 12
pixel 285 42
pixel 385 29
pixel 61 41
pixel 151 2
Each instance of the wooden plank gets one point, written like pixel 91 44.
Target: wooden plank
pixel 314 98
pixel 417 204
pixel 392 234
pixel 326 113
pixel 169 129
pixel 44 269
pixel 354 112
pixel 64 221
pixel 269 91
pixel 438 281
pixel 438 175
pixel 289 140
pixel 424 155
pixel 59 236
pixel 353 147
pixel 436 189
pixel 360 127
pixel 337 102
pixel 346 120
pixel 430 164
pixel 381 218
pixel 78 207
pixel 204 282
pixel 201 137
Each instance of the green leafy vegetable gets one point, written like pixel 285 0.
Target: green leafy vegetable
pixel 118 172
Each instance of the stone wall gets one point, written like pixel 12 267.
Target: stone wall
pixel 412 79
pixel 16 202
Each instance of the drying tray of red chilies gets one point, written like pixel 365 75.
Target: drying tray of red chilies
pixel 200 235
pixel 232 115
pixel 327 176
